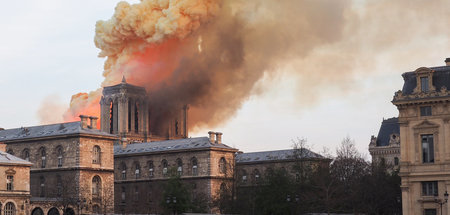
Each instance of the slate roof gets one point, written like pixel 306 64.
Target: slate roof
pixel 168 145
pixel 388 127
pixel 441 77
pixel 273 156
pixel 47 131
pixel 9 159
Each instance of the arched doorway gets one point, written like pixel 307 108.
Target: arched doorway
pixel 37 211
pixel 53 211
pixel 69 211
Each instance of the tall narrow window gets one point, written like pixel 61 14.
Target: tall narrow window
pixel 9 182
pixel 176 127
pixel 43 158
pixel 123 169
pixel 194 167
pixel 111 118
pixel 137 170
pixel 42 184
pixel 424 84
pixel 26 154
pixel 129 115
pixel 396 162
pixel 244 176
pixel 151 169
pixel 136 193
pixel 96 156
pixel 96 186
pixel 59 152
pixel 136 117
pixel 179 167
pixel 222 165
pixel 58 186
pixel 427 148
pixel 123 194
pixel 256 175
pixel 165 166
pixel 10 209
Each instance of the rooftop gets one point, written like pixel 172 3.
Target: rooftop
pixel 168 145
pixel 441 78
pixel 286 154
pixel 47 131
pixel 388 127
pixel 9 159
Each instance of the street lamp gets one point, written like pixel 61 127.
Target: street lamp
pixel 173 200
pixel 442 201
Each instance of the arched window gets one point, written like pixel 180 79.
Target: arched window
pixel 136 117
pixel 59 152
pixel 256 175
pixel 222 165
pixel 26 154
pixel 96 186
pixel 123 169
pixel 194 166
pixel 96 209
pixel 10 209
pixel 137 170
pixel 96 152
pixel 396 161
pixel 165 166
pixel 58 186
pixel 42 184
pixel 37 211
pixel 244 176
pixel 151 169
pixel 43 157
pixel 179 167
pixel 53 211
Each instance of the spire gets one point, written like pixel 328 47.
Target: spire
pixel 123 79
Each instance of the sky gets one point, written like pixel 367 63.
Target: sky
pixel 47 54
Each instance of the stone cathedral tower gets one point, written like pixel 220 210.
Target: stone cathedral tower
pixel 126 111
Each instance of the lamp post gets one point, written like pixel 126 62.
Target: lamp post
pixel 294 200
pixel 442 201
pixel 172 200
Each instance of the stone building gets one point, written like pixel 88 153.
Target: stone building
pixel 386 145
pixel 15 184
pixel 424 115
pixel 72 166
pixel 141 169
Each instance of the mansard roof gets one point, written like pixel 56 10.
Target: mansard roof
pixel 169 145
pixel 441 78
pixel 67 128
pixel 277 155
pixel 388 127
pixel 9 159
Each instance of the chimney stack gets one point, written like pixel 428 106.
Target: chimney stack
pixel 219 137
pixel 211 136
pixel 84 121
pixel 124 143
pixel 447 61
pixel 2 147
pixel 93 122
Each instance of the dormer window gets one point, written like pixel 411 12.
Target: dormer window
pixel 424 84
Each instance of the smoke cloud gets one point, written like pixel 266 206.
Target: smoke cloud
pixel 210 54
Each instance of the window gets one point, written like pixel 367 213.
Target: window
pixel 59 151
pixel 429 188
pixel 425 111
pixel 151 169
pixel 58 186
pixel 194 166
pixel 256 175
pixel 244 176
pixel 429 212
pixel 9 182
pixel 42 183
pixel 164 165
pixel 179 167
pixel 123 194
pixel 10 209
pixel 26 154
pixel 396 161
pixel 137 170
pixel 222 165
pixel 43 158
pixel 96 155
pixel 424 84
pixel 123 169
pixel 96 186
pixel 427 148
pixel 96 209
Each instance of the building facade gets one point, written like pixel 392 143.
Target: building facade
pixel 15 184
pixel 386 146
pixel 424 115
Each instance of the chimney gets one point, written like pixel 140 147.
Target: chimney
pixel 84 121
pixel 211 136
pixel 447 61
pixel 2 147
pixel 124 143
pixel 93 122
pixel 219 137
